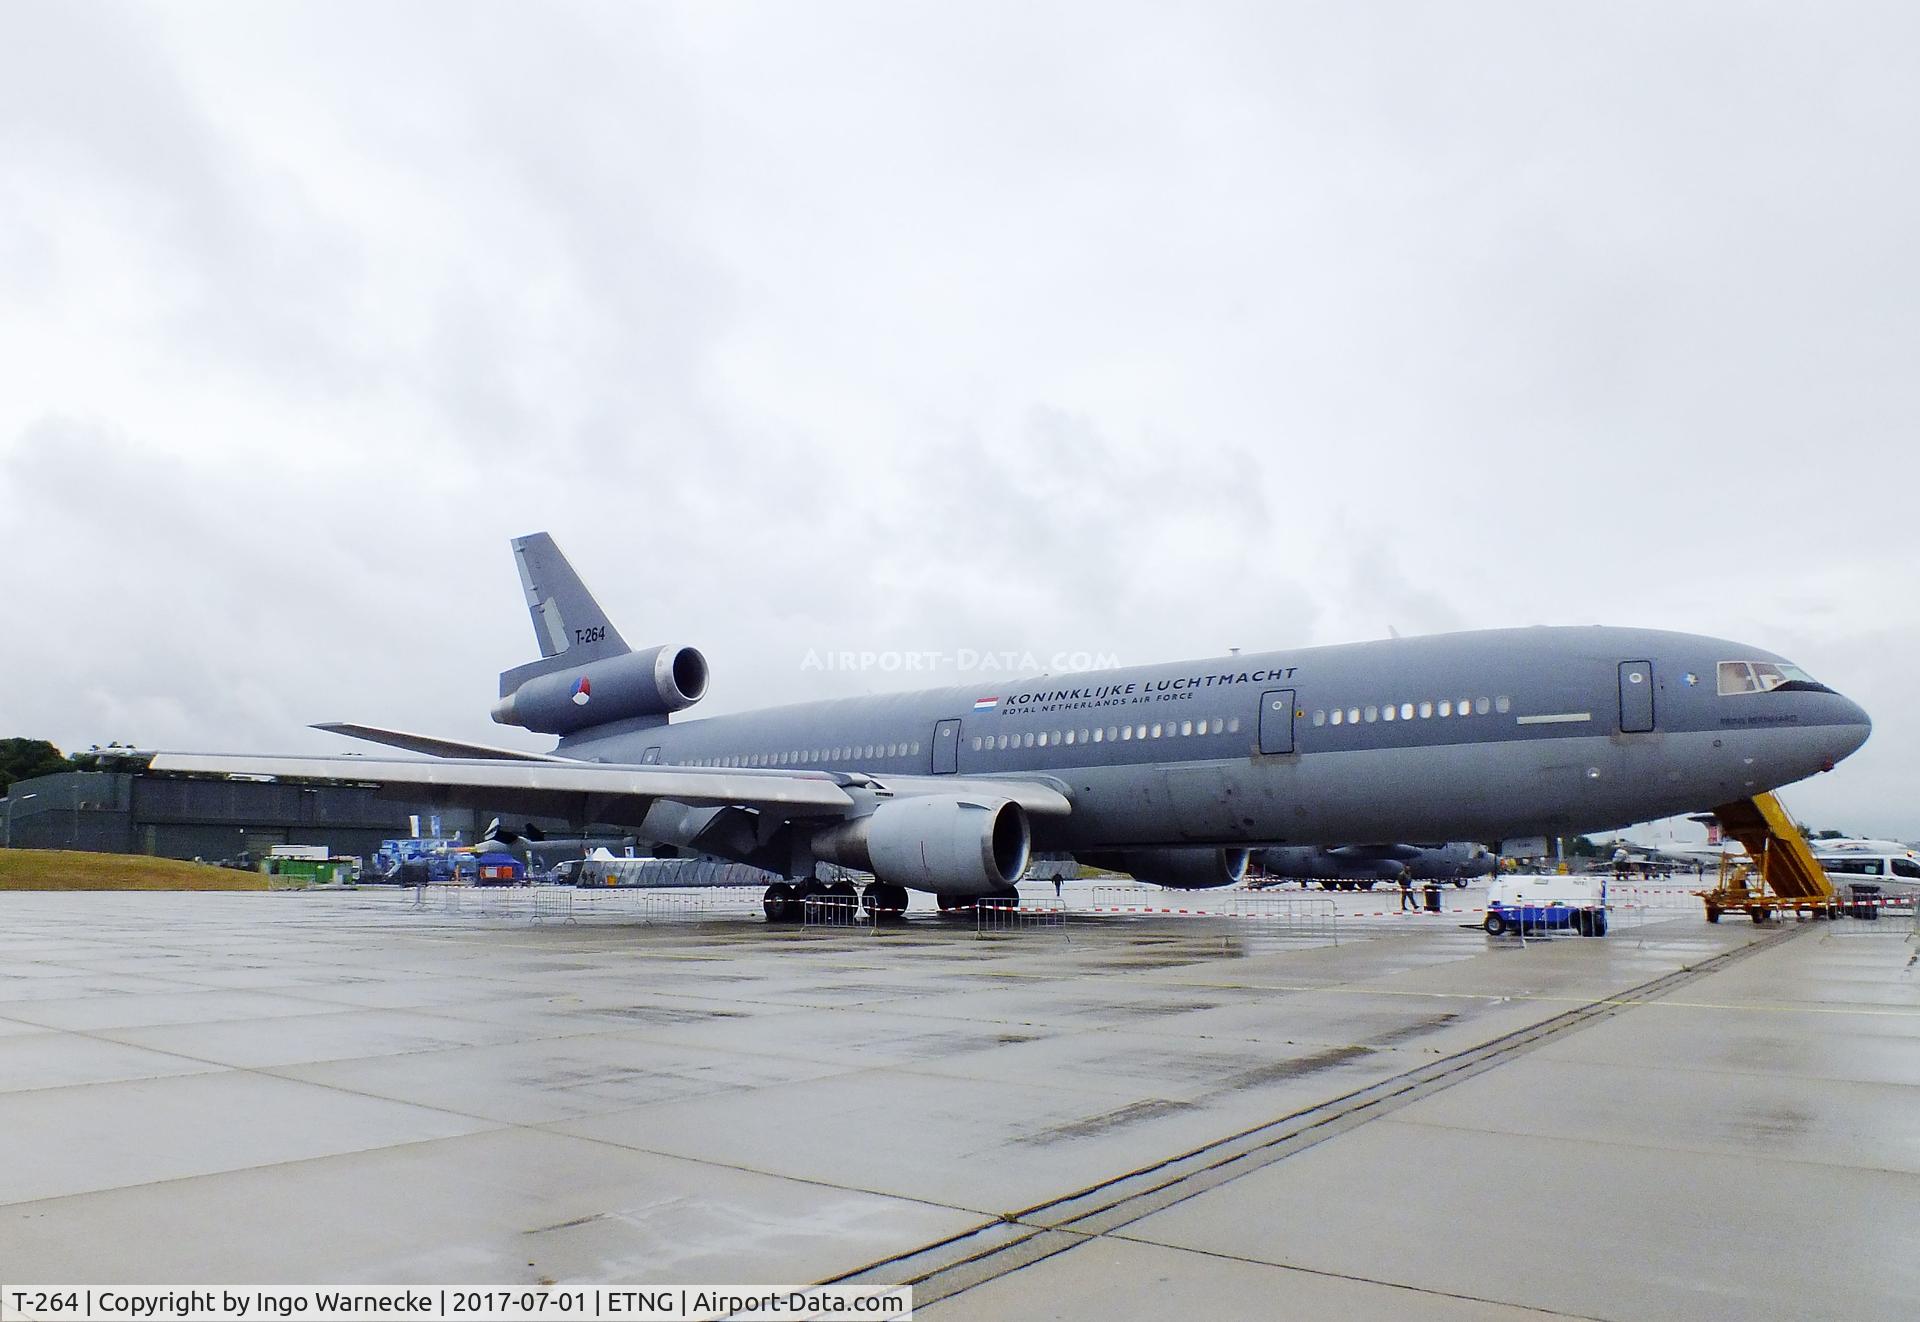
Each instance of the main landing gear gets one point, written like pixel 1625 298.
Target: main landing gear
pixel 884 903
pixel 834 902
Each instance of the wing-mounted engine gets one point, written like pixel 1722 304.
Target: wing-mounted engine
pixel 948 844
pixel 1186 869
pixel 649 683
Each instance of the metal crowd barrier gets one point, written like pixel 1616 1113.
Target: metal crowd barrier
pixel 833 911
pixel 1004 916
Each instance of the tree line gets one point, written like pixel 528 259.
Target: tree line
pixel 23 759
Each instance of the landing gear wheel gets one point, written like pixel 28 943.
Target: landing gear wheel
pixel 1366 885
pixel 1328 885
pixel 1460 883
pixel 1495 924
pixel 780 904
pixel 841 903
pixel 884 902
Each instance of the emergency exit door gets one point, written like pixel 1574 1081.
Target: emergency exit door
pixel 946 748
pixel 1276 721
pixel 1636 697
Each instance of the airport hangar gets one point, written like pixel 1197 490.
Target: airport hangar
pixel 136 812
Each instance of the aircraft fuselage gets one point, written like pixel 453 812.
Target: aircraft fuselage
pixel 1479 735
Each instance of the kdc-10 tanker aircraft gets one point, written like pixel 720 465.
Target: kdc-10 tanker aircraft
pixel 1172 773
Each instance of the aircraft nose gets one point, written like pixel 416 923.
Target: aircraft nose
pixel 1854 718
pixel 1847 726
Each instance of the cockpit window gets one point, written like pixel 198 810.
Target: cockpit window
pixel 1765 677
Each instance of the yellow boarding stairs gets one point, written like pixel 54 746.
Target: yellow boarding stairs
pixel 1779 872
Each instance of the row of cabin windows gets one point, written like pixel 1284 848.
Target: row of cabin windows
pixel 1408 711
pixel 1106 734
pixel 801 757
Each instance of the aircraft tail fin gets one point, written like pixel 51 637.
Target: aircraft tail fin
pixel 566 618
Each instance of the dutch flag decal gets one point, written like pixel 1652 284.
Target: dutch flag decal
pixel 582 692
pixel 985 704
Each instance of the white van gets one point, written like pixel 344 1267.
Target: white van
pixel 1894 873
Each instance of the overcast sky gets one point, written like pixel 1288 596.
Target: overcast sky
pixel 1145 331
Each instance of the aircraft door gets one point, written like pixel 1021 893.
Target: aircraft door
pixel 1636 697
pixel 946 747
pixel 1276 721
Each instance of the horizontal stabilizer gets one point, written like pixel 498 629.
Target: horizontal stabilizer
pixel 431 745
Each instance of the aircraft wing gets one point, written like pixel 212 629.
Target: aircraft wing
pixel 617 793
pixel 432 745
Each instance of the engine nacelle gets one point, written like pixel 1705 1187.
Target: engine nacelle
pixel 652 682
pixel 1191 869
pixel 948 844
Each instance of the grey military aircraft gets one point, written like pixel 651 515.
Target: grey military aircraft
pixel 1350 866
pixel 1171 772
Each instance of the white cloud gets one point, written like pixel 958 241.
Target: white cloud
pixel 1128 329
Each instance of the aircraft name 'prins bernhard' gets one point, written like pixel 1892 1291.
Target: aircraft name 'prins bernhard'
pixel 1116 695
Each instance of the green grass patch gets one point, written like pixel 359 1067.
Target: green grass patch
pixel 69 870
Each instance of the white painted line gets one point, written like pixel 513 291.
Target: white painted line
pixel 1556 718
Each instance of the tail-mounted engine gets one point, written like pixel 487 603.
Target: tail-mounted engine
pixel 652 683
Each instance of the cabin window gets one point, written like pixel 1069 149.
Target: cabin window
pixel 1373 714
pixel 1464 707
pixel 1503 705
pixel 1028 741
pixel 1338 716
pixel 1388 712
pixel 1097 733
pixel 1043 739
pixel 1446 708
pixel 1233 725
pixel 1406 711
pixel 1481 706
pixel 1426 711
